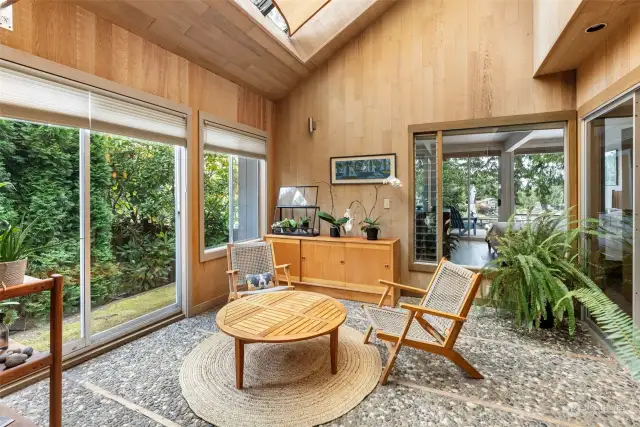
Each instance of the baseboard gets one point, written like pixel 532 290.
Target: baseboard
pixel 207 305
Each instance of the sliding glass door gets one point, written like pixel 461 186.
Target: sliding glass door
pixel 41 170
pixel 133 230
pixel 95 181
pixel 610 180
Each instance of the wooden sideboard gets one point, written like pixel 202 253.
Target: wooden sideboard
pixel 342 267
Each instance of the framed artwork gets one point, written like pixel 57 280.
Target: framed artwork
pixel 369 169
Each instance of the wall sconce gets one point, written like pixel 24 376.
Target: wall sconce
pixel 312 125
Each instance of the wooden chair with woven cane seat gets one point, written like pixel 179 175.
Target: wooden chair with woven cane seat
pixel 253 258
pixel 432 325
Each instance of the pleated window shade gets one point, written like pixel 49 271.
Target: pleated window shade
pixel 43 98
pixel 223 139
pixel 27 97
pixel 137 120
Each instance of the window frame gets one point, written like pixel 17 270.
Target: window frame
pixel 41 67
pixel 569 117
pixel 209 254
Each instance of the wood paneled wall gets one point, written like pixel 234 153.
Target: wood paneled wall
pixel 611 63
pixel 422 61
pixel 550 17
pixel 69 35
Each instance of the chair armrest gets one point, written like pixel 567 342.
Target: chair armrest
pixel 424 310
pixel 404 287
pixel 283 266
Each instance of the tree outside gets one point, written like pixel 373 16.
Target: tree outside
pixel 132 212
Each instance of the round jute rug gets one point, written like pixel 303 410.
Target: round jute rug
pixel 284 384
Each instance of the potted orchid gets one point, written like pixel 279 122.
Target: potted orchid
pixel 369 225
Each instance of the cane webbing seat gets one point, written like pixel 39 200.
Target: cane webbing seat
pixel 253 258
pixel 433 324
pixel 392 322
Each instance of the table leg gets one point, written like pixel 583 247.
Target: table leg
pixel 333 342
pixel 239 363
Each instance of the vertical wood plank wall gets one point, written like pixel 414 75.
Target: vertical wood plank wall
pixel 550 17
pixel 72 36
pixel 611 62
pixel 420 62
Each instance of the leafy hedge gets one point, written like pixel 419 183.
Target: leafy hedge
pixel 132 205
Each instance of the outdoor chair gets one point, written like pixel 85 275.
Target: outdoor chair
pixel 460 223
pixel 432 325
pixel 253 258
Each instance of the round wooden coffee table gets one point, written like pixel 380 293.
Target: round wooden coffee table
pixel 281 317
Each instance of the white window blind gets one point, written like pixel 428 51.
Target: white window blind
pixel 136 119
pixel 224 139
pixel 40 97
pixel 27 97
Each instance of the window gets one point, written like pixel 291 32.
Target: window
pixel 232 184
pixel 268 9
pixel 425 218
pixel 610 198
pixel 468 182
pixel 99 177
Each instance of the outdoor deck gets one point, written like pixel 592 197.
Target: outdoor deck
pixel 541 378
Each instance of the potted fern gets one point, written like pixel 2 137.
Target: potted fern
pixel 539 274
pixel 537 267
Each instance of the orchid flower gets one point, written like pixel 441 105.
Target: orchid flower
pixel 392 181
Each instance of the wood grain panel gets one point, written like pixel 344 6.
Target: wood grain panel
pixel 70 35
pixel 550 17
pixel 611 65
pixel 420 62
pixel 573 45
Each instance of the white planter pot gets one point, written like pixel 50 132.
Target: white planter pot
pixel 12 273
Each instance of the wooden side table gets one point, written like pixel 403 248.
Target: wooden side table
pixel 281 317
pixel 53 360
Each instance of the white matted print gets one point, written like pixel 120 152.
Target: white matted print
pixel 370 169
pixel 6 18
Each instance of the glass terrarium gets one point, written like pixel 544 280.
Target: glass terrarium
pixel 296 211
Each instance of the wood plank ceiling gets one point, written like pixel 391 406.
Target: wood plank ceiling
pixel 232 39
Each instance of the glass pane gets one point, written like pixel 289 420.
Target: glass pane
pixel 41 164
pixel 133 235
pixel 425 221
pixel 216 199
pixel 539 184
pixel 245 198
pixel 610 200
pixel 491 174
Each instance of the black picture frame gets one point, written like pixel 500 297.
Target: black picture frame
pixel 333 162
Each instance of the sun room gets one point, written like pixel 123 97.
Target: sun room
pixel 235 193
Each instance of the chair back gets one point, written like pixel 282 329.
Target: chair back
pixel 251 258
pixel 456 218
pixel 452 290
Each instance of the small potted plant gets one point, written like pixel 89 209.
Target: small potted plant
pixel 304 221
pixel 336 224
pixel 13 253
pixel 372 226
pixel 286 224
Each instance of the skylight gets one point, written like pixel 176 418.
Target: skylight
pixel 268 9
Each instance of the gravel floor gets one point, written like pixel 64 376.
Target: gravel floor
pixel 531 379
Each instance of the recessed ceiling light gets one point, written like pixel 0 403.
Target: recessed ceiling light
pixel 595 27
